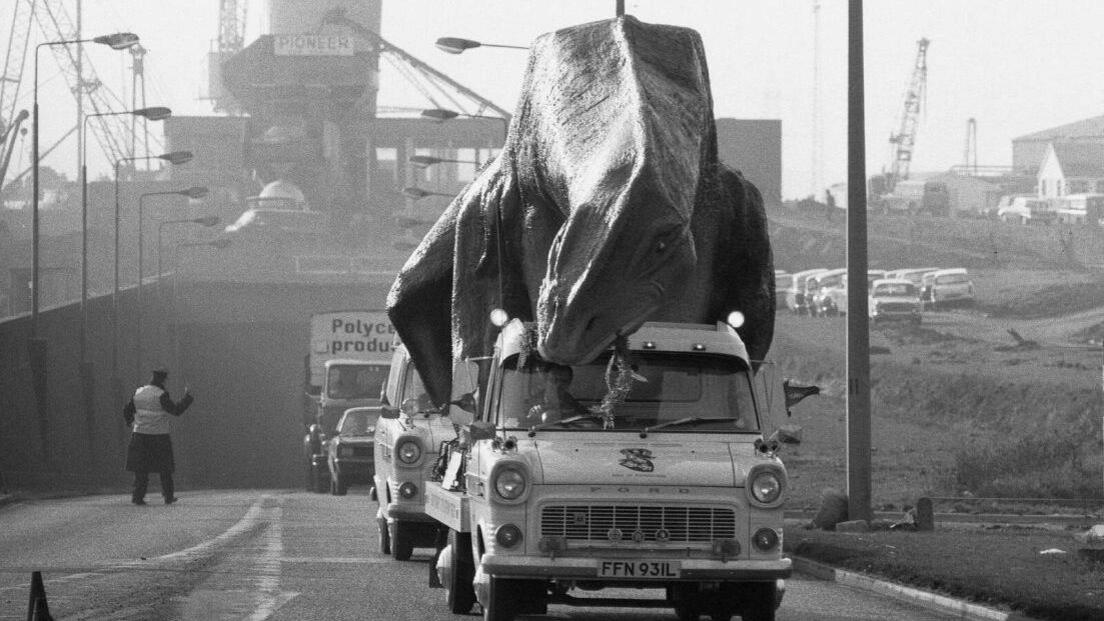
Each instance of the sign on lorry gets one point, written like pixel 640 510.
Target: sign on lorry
pixel 352 334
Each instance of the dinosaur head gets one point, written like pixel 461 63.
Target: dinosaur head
pixel 621 119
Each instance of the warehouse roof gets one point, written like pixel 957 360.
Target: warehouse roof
pixel 1091 127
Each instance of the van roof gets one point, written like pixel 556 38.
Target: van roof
pixel 691 338
pixel 952 270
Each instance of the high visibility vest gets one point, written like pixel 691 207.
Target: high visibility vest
pixel 149 416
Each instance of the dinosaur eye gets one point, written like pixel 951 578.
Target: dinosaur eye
pixel 661 245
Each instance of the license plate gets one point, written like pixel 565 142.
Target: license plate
pixel 649 570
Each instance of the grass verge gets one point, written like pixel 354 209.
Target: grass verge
pixel 997 567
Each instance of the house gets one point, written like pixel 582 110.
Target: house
pixel 1028 150
pixel 1071 168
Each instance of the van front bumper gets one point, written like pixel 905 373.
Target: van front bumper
pixel 692 570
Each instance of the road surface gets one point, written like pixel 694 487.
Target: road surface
pixel 280 555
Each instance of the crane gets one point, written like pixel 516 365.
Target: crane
pixel 905 139
pixel 54 23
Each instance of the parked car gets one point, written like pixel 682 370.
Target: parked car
pixel 948 287
pixel 1027 210
pixel 911 274
pixel 350 452
pixel 818 288
pixel 795 295
pixel 836 303
pixel 894 299
pixel 783 280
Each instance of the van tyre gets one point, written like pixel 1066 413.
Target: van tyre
pixel 402 542
pixel 384 535
pixel 459 591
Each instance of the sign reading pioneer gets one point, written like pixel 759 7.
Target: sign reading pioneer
pixel 312 45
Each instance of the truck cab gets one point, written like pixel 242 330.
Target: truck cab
pixel 645 468
pixel 407 439
pixel 348 383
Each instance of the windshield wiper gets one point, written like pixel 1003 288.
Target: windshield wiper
pixel 686 421
pixel 572 419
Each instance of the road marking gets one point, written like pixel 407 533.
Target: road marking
pixel 269 597
pixel 353 560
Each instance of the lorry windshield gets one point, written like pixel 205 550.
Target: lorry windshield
pixel 355 381
pixel 673 386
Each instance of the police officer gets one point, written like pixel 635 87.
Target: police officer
pixel 150 448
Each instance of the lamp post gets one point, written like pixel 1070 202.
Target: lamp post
pixel 425 161
pixel 444 114
pixel 175 157
pixel 152 114
pixel 36 348
pixel 117 41
pixel 191 193
pixel 456 45
pixel 418 193
pixel 203 221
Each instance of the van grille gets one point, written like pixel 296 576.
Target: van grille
pixel 680 524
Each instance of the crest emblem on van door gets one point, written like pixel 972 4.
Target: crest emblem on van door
pixel 639 459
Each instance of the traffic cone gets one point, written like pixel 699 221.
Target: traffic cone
pixel 37 608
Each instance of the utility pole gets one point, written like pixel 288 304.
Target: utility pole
pixel 858 328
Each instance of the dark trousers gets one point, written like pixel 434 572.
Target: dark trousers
pixel 141 482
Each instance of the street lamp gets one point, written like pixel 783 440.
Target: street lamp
pixel 175 157
pixel 456 45
pixel 117 41
pixel 425 161
pixel 192 193
pixel 418 193
pixel 203 221
pixel 444 114
pixel 157 113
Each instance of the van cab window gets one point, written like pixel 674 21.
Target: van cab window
pixel 670 387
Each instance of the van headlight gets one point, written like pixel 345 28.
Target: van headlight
pixel 509 482
pixel 409 452
pixel 765 485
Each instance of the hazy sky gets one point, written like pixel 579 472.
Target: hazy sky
pixel 1016 66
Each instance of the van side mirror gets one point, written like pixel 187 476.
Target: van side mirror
pixel 388 413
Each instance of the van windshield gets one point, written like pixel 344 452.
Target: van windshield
pixel 894 289
pixel 666 388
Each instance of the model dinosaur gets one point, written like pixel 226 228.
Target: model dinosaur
pixel 606 208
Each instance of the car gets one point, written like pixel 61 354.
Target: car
pixel 817 290
pixel 894 299
pixel 947 287
pixel 912 274
pixel 349 453
pixel 1027 210
pixel 783 280
pixel 795 295
pixel 836 302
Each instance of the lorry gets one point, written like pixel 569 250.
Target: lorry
pixel 663 481
pixel 407 439
pixel 345 367
pixel 916 196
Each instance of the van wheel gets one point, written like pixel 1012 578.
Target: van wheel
pixel 459 591
pixel 402 546
pixel 384 536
